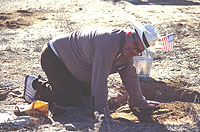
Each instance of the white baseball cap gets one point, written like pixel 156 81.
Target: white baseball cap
pixel 148 31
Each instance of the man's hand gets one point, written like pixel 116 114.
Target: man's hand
pixel 144 113
pixel 150 104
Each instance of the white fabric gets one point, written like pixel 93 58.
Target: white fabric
pixel 149 32
pixel 52 47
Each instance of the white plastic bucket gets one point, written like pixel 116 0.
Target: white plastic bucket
pixel 143 64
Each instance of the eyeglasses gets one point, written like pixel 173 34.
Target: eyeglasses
pixel 136 44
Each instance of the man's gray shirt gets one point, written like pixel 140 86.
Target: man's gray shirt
pixel 91 55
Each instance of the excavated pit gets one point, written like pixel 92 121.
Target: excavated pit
pixel 178 105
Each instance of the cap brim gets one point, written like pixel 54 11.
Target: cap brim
pixel 140 29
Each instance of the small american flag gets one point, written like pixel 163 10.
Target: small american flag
pixel 168 42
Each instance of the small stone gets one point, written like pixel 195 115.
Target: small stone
pixel 70 127
pixel 199 24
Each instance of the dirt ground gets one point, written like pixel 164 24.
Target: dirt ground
pixel 25 26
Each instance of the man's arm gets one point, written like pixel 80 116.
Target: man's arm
pixel 131 82
pixel 106 49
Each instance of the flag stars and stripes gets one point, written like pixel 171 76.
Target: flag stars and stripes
pixel 168 42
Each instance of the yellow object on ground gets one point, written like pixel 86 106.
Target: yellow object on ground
pixel 36 108
pixel 41 106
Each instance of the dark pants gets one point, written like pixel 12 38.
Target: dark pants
pixel 62 87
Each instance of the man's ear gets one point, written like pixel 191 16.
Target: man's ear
pixel 128 34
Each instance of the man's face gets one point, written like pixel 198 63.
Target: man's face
pixel 133 46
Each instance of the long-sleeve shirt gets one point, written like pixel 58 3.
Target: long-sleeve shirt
pixel 91 55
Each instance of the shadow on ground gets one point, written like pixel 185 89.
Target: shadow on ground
pixel 160 2
pixel 164 2
pixel 175 100
pixel 74 121
pixel 167 91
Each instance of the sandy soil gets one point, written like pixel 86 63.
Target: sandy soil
pixel 174 80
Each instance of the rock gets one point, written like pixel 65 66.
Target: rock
pixel 70 127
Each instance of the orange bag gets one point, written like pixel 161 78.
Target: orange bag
pixel 36 108
pixel 40 106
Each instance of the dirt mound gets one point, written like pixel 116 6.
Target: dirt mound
pixel 162 91
pixel 179 106
pixel 168 91
pixel 165 113
pixel 19 19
